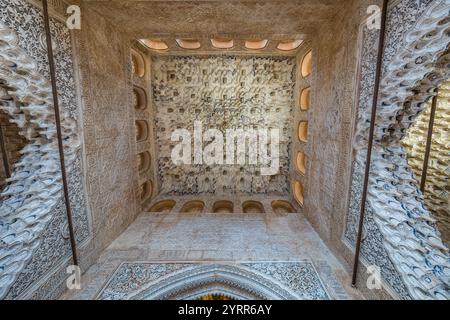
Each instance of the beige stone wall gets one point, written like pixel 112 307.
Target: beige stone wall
pixel 330 125
pixel 109 141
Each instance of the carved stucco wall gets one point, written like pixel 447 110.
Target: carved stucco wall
pixel 330 124
pixel 223 93
pixel 336 56
pixel 32 206
pixel 106 121
pixel 399 234
pixel 187 281
pixel 331 116
pixel 108 124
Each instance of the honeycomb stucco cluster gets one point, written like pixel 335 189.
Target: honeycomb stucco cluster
pixel 33 191
pixel 410 72
pixel 436 195
pixel 222 93
pixel 43 273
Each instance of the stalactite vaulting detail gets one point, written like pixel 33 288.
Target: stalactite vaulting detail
pixel 437 184
pixel 35 186
pixel 223 93
pixel 14 142
pixel 409 231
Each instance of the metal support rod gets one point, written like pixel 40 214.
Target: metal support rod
pixel 376 90
pixel 426 157
pixel 51 64
pixel 4 153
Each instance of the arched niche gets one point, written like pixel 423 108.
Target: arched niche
pixel 303 131
pixel 190 44
pixel 305 99
pixel 282 207
pixel 143 160
pixel 146 190
pixel 141 130
pixel 231 281
pixel 256 44
pixel 300 162
pixel 138 64
pixel 195 206
pixel 252 207
pixel 307 64
pixel 223 206
pixel 297 189
pixel 155 44
pixel 222 43
pixel 139 98
pixel 164 206
pixel 288 45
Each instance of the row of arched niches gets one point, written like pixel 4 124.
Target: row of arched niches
pixel 222 206
pixel 220 44
pixel 300 150
pixel 142 111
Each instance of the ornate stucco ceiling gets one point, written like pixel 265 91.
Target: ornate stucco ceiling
pixel 223 93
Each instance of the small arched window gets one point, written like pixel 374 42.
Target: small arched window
pixel 288 45
pixel 137 63
pixel 307 65
pixel 256 44
pixel 222 43
pixel 303 131
pixel 301 162
pixel 154 44
pixel 164 206
pixel 190 44
pixel 298 192
pixel 305 99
